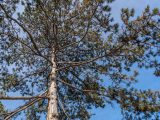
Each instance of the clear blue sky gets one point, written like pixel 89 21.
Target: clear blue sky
pixel 146 78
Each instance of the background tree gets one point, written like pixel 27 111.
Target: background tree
pixel 61 48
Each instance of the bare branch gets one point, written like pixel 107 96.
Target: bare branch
pixel 25 106
pixel 20 97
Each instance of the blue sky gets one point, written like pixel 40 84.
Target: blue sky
pixel 146 78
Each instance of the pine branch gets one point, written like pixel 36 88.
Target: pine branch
pixel 25 29
pixel 85 34
pixel 74 87
pixel 25 106
pixel 18 23
pixel 62 107
pixel 117 98
pixel 74 64
pixel 21 97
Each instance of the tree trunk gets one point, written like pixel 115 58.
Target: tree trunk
pixel 52 94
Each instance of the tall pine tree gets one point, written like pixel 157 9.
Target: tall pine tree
pixel 55 52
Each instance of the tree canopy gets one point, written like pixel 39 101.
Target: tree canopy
pixel 79 42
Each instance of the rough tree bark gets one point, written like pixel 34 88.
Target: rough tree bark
pixel 52 94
